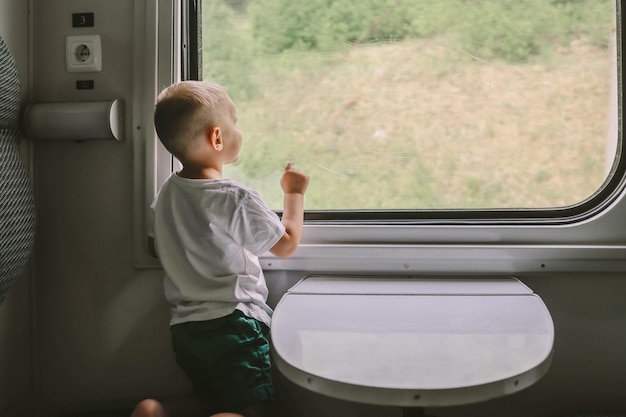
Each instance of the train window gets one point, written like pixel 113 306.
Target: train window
pixel 407 109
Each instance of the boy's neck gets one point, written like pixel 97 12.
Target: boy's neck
pixel 204 173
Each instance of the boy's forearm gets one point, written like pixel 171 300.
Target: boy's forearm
pixel 293 216
pixel 292 219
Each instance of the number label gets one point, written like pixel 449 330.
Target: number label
pixel 82 20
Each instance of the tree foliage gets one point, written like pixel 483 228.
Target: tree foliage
pixel 513 30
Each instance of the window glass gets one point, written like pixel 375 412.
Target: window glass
pixel 420 104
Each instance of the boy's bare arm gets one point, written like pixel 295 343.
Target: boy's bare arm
pixel 294 184
pixel 293 218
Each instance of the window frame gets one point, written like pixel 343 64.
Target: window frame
pixel 603 197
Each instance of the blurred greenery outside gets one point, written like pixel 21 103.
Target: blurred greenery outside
pixel 418 104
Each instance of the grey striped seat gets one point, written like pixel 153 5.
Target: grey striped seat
pixel 17 208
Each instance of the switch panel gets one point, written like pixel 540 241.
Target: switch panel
pixel 83 53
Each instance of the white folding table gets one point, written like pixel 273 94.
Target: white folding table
pixel 412 342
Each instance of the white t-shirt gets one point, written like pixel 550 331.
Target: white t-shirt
pixel 208 235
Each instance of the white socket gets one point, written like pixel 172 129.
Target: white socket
pixel 83 53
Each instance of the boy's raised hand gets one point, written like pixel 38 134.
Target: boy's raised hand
pixel 294 183
pixel 293 180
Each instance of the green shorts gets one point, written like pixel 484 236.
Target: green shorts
pixel 227 360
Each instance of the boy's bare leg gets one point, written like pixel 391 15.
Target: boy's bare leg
pixel 149 408
pixel 226 415
pixel 153 408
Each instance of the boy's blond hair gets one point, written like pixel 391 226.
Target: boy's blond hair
pixel 184 110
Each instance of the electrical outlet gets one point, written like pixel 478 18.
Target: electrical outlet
pixel 83 53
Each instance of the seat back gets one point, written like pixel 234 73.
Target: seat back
pixel 17 207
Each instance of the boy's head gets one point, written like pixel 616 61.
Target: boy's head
pixel 187 109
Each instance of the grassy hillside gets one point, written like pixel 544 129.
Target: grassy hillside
pixel 420 125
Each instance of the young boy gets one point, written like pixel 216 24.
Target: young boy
pixel 208 234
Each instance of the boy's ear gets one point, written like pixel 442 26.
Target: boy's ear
pixel 215 138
